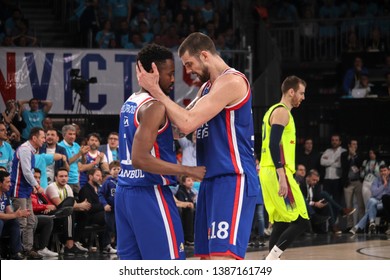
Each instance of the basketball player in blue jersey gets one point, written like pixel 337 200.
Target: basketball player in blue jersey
pixel 222 118
pixel 148 221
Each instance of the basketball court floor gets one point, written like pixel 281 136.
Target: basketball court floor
pixel 307 247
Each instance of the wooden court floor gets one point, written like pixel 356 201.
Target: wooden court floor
pixel 306 247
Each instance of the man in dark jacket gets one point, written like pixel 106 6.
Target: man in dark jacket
pixel 351 163
pixel 95 215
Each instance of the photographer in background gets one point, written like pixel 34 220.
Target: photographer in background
pixel 34 116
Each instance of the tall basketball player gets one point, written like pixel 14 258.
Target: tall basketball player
pixel 148 222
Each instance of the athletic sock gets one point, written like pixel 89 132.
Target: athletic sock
pixel 274 254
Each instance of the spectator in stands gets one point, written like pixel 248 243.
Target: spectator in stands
pixel 61 194
pixel 47 123
pixel 379 188
pixel 135 42
pixel 353 43
pixel 10 23
pixel 300 173
pixel 370 171
pixel 111 148
pixel 186 194
pixel 351 163
pixel 352 76
pixel 51 147
pixel 207 11
pixel 160 26
pixel 44 226
pixel 331 160
pixel 96 214
pixel 328 12
pixel 147 37
pixel 22 184
pixel 185 9
pixel 309 33
pixel 107 197
pixel 287 11
pixel 9 225
pixel 104 36
pixel 13 115
pixel 92 159
pixel 6 151
pixel 307 156
pixel 140 17
pixel 322 203
pixel 376 42
pixel 74 153
pixel 188 148
pixel 119 10
pixel 170 38
pixel 34 116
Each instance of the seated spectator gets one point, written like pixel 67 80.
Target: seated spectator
pixel 111 148
pixel 135 42
pixel 106 197
pixel 9 225
pixel 321 202
pixel 147 37
pixel 45 222
pixel 352 76
pixel 104 36
pixel 379 188
pixel 353 43
pixel 94 215
pixel 186 194
pixel 92 159
pixel 119 10
pixel 34 116
pixel 61 194
pixel 368 173
pixel 376 42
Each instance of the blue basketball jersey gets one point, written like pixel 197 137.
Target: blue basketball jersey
pixel 163 147
pixel 225 144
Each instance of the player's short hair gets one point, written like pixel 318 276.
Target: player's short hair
pixel 292 82
pixel 195 43
pixel 153 53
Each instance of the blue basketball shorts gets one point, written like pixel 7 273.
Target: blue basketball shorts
pixel 224 216
pixel 148 224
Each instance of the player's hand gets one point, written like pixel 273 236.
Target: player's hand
pixel 283 189
pixel 107 208
pixel 196 172
pixel 148 81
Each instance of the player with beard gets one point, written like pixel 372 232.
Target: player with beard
pixel 282 196
pixel 222 118
pixel 148 222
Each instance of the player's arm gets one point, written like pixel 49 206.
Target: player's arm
pixel 152 117
pixel 278 120
pixel 226 90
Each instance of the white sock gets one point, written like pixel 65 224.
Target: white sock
pixel 274 254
